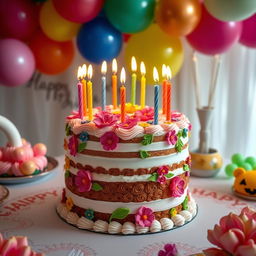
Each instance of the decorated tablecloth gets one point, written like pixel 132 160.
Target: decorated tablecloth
pixel 30 210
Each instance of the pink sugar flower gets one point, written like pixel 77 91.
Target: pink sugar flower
pixel 83 181
pixel 145 114
pixel 128 124
pixel 74 115
pixel 177 187
pixel 144 216
pixel 161 179
pixel 176 116
pixel 169 250
pixel 104 119
pixel 171 137
pixel 109 141
pixel 162 170
pixel 72 145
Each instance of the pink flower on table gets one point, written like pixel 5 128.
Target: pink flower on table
pixel 161 179
pixel 169 250
pixel 109 140
pixel 144 216
pixel 104 119
pixel 129 123
pixel 177 187
pixel 83 181
pixel 249 213
pixel 162 170
pixel 72 145
pixel 145 114
pixel 171 137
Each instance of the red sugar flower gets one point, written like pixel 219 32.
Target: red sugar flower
pixel 109 141
pixel 129 123
pixel 83 181
pixel 72 145
pixel 145 114
pixel 177 187
pixel 162 170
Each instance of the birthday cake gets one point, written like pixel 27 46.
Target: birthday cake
pixel 127 177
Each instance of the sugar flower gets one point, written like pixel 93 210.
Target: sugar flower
pixel 83 181
pixel 171 137
pixel 69 203
pixel 177 187
pixel 67 164
pixel 72 145
pixel 144 216
pixel 109 140
pixel 104 119
pixel 162 170
pixel 169 250
pixel 84 136
pixel 128 124
pixel 188 161
pixel 145 114
pixel 176 116
pixel 89 214
pixel 161 179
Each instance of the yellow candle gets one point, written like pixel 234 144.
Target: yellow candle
pixel 83 73
pixel 134 78
pixel 142 85
pixel 90 94
pixel 122 95
pixel 114 84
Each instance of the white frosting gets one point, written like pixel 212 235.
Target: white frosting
pixel 100 226
pixel 60 207
pixel 121 178
pixel 109 207
pixel 178 220
pixel 166 223
pixel 133 163
pixel 128 228
pixel 64 212
pixel 72 218
pixel 114 227
pixel 192 207
pixel 186 214
pixel 155 226
pixel 84 223
pixel 141 230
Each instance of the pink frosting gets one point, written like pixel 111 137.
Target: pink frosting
pixel 77 127
pixel 5 167
pixel 16 169
pixel 154 129
pixel 127 134
pixel 170 127
pixel 40 161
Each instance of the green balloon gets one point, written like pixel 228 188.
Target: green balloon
pixel 251 160
pixel 246 166
pixel 229 169
pixel 237 159
pixel 130 16
pixel 231 10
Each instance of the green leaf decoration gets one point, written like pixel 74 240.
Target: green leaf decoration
pixel 169 175
pixel 96 186
pixel 68 130
pixel 119 213
pixel 144 154
pixel 185 167
pixel 184 133
pixel 173 212
pixel 81 147
pixel 153 177
pixel 185 203
pixel 179 145
pixel 180 133
pixel 67 174
pixel 36 172
pixel 147 139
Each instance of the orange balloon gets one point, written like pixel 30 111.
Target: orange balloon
pixel 52 57
pixel 178 17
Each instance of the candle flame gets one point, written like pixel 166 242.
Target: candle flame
pixel 90 72
pixel 168 73
pixel 134 64
pixel 83 71
pixel 155 75
pixel 164 71
pixel 79 71
pixel 104 67
pixel 142 68
pixel 114 66
pixel 122 76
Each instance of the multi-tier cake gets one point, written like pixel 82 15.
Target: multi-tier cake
pixel 127 177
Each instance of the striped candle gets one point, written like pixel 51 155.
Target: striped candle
pixel 156 96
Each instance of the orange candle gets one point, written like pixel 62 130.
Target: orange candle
pixel 83 73
pixel 164 89
pixel 169 96
pixel 90 94
pixel 122 95
pixel 114 83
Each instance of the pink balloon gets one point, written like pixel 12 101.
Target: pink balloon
pixel 18 19
pixel 17 62
pixel 79 11
pixel 248 36
pixel 213 36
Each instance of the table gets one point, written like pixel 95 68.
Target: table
pixel 30 211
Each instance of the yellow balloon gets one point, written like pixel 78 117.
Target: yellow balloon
pixel 54 26
pixel 155 48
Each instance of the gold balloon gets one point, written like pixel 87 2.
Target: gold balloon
pixel 178 17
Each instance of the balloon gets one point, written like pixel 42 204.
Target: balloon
pixel 231 10
pixel 98 40
pixel 248 36
pixel 54 26
pixel 51 57
pixel 17 19
pixel 213 36
pixel 79 11
pixel 17 62
pixel 178 18
pixel 130 16
pixel 155 48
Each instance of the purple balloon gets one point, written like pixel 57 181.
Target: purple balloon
pixel 17 62
pixel 213 36
pixel 248 36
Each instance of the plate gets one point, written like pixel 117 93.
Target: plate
pixel 52 164
pixel 4 193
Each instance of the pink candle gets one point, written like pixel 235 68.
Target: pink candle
pixel 80 101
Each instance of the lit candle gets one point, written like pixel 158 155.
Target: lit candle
pixel 90 95
pixel 114 83
pixel 103 71
pixel 156 95
pixel 164 75
pixel 122 95
pixel 80 94
pixel 134 78
pixel 169 95
pixel 83 74
pixel 142 85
